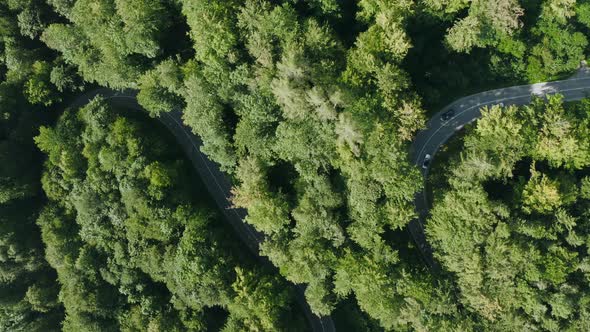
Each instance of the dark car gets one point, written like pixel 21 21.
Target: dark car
pixel 446 116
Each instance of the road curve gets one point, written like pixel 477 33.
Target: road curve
pixel 428 141
pixel 216 182
pixel 467 110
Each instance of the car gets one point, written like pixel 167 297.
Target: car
pixel 426 161
pixel 446 116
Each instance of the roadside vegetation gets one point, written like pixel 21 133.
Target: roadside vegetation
pixel 513 225
pixel 308 105
pixel 134 240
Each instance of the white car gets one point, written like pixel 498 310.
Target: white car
pixel 426 161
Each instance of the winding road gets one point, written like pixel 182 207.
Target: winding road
pixel 217 184
pixel 467 110
pixel 427 142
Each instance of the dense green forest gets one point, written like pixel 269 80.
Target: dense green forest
pixel 310 107
pixel 513 223
pixel 28 287
pixel 133 240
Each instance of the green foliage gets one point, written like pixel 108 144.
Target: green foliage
pixel 65 78
pixel 540 194
pixel 132 248
pixel 205 114
pixel 585 188
pixel 106 38
pixel 560 50
pixel 27 63
pixel 160 87
pixel 258 302
pixel 38 88
pixel 27 288
pixel 536 41
pixel 31 16
pixel 310 107
pixel 63 7
pixel 583 13
pixel 512 223
pixel 487 22
pixel 28 292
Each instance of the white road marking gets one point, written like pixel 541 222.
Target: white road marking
pixel 419 155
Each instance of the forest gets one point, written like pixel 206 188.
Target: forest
pixel 310 108
pixel 514 229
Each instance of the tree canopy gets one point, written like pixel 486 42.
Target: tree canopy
pixel 512 225
pixel 309 107
pixel 135 242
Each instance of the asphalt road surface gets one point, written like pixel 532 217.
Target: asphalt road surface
pixel 467 110
pixel 216 182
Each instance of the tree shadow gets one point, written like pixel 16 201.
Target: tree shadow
pixel 440 75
